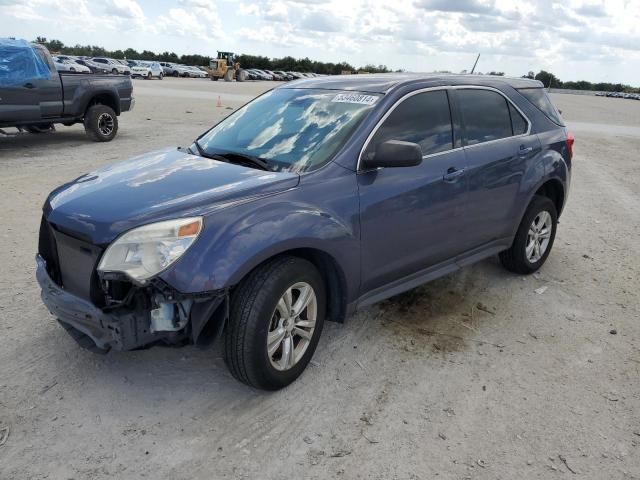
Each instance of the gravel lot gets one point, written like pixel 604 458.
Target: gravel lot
pixel 475 375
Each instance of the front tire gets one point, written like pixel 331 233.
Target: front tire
pixel 100 123
pixel 275 323
pixel 534 238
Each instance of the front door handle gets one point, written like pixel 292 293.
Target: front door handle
pixel 524 150
pixel 453 174
pixel 29 85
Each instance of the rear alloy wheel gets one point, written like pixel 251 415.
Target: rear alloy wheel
pixel 534 238
pixel 275 322
pixel 100 123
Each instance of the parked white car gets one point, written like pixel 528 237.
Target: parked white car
pixel 146 70
pixel 68 65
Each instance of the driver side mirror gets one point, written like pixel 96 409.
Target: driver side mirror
pixel 394 153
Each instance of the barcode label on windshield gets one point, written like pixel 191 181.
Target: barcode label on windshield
pixel 355 98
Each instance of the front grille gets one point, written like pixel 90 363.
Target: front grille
pixel 71 262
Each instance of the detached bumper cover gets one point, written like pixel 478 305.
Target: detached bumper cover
pixel 107 330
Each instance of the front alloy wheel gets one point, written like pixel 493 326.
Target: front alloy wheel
pixel 275 322
pixel 292 325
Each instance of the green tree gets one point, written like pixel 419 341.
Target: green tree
pixel 548 79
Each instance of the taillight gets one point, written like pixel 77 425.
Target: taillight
pixel 570 140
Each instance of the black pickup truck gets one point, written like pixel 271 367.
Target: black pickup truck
pixel 34 98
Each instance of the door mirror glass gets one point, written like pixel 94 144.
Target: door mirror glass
pixel 394 153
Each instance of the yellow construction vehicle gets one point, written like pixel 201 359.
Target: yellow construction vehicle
pixel 226 67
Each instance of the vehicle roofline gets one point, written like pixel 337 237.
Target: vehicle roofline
pixel 392 81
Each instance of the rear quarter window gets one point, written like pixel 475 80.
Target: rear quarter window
pixel 540 99
pixel 518 122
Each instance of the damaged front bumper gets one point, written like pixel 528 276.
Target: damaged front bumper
pixel 130 327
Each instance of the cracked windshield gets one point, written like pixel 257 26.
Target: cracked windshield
pixel 291 129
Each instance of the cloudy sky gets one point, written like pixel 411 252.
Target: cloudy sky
pixel 576 39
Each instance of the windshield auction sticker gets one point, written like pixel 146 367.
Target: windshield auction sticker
pixel 355 98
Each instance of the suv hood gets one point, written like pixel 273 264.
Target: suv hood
pixel 155 186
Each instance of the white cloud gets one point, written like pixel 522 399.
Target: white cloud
pixel 197 19
pixel 124 8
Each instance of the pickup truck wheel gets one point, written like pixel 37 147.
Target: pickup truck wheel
pixel 534 238
pixel 275 322
pixel 100 123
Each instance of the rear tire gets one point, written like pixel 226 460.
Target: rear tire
pixel 242 76
pixel 161 77
pixel 255 318
pixel 100 123
pixel 534 238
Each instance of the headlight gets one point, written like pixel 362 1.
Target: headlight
pixel 145 251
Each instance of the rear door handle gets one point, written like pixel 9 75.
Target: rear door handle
pixel 29 85
pixel 524 150
pixel 453 174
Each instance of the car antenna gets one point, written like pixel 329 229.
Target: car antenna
pixel 474 65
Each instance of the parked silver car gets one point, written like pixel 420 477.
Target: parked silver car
pixel 114 66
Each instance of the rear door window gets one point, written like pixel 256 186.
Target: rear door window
pixel 485 114
pixel 423 118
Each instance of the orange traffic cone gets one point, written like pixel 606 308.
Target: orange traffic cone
pixel 219 104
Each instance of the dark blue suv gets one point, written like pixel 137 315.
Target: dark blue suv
pixel 318 197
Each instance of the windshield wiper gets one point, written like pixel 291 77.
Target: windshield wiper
pixel 234 157
pixel 245 158
pixel 202 152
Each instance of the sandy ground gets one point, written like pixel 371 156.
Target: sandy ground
pixel 425 385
